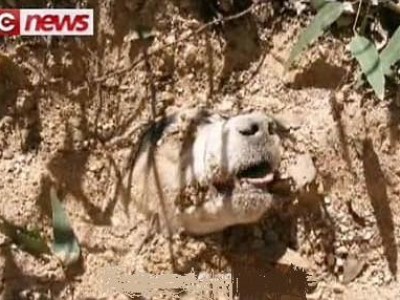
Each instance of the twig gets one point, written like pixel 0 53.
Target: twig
pixel 182 39
pixel 357 16
pixel 151 79
pixel 164 209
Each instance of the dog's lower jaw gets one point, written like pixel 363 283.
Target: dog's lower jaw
pixel 226 210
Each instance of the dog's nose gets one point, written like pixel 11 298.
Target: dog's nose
pixel 251 125
pixel 249 128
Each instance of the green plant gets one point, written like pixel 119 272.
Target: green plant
pixel 374 64
pixel 65 244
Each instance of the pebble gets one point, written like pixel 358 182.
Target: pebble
pixel 167 97
pixel 304 171
pixel 341 250
pixel 6 121
pixel 96 166
pixel 338 288
pixel 327 200
pixel 85 145
pixel 339 262
pixel 7 154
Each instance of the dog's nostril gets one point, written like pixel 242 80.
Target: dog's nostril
pixel 249 130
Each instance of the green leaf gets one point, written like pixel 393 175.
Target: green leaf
pixel 65 245
pixel 391 53
pixel 328 14
pixel 28 240
pixel 318 4
pixel 368 58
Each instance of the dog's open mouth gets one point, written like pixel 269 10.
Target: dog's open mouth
pixel 259 175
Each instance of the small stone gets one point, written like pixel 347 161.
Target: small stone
pixel 327 200
pixel 338 288
pixel 339 96
pixel 304 171
pixel 7 154
pixel 11 168
pixel 352 268
pixel 368 235
pixel 291 257
pixel 5 121
pixel 96 166
pixel 167 97
pixel 342 250
pixel 85 144
pixel 339 262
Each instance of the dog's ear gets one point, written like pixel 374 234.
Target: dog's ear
pixel 156 129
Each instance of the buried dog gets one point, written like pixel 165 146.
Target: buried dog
pixel 211 172
pixel 202 173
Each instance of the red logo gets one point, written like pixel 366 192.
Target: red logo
pixel 47 22
pixel 9 22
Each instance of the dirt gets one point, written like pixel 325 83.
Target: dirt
pixel 66 118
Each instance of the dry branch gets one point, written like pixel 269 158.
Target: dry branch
pixel 221 20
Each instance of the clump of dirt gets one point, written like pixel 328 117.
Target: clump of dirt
pixel 72 111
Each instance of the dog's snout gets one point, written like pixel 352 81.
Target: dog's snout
pixel 251 128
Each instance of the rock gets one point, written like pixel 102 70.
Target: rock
pixel 167 98
pixel 352 268
pixel 342 250
pixel 7 154
pixel 291 257
pixel 338 288
pixel 339 262
pixel 96 166
pixel 5 122
pixel 304 171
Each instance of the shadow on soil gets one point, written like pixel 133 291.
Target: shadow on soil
pixel 319 74
pixel 18 285
pixel 377 192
